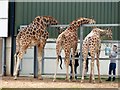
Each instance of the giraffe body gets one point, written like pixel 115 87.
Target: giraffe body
pixel 92 42
pixel 34 34
pixel 67 41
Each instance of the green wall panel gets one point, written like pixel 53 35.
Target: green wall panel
pixel 65 12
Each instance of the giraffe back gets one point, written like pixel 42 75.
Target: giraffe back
pixel 34 32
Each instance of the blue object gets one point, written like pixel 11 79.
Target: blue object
pixel 107 51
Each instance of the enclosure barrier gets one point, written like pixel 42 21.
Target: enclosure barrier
pixel 81 41
pixel 81 35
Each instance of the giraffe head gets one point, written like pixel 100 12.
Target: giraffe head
pixel 50 20
pixel 87 21
pixel 109 33
pixel 106 32
pixel 45 20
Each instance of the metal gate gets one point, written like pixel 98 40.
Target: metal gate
pixel 50 60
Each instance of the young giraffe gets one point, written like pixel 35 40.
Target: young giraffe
pixel 34 34
pixel 92 42
pixel 67 40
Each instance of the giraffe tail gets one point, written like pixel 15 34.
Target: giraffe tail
pixel 61 61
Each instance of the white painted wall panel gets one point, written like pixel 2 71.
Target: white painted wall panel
pixel 3 18
pixel 3 27
pixel 50 64
pixel 4 9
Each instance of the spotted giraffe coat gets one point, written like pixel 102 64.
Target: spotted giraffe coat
pixel 92 43
pixel 35 34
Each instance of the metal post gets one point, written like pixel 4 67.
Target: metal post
pixel 4 57
pixel 81 41
pixel 43 61
pixel 12 4
pixel 35 63
pixel 1 64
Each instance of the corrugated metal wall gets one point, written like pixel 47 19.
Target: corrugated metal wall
pixel 65 12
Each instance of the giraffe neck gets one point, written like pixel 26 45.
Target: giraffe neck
pixel 41 23
pixel 76 24
pixel 73 28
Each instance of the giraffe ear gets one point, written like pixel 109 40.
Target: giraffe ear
pixel 91 17
pixel 110 28
pixel 106 28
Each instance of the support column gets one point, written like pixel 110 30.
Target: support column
pixel 35 63
pixel 81 41
pixel 43 61
pixel 1 56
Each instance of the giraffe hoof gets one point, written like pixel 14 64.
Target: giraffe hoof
pixel 90 81
pixel 54 80
pixel 68 80
pixel 73 80
pixel 40 78
pixel 15 78
pixel 82 81
pixel 100 81
pixel 93 81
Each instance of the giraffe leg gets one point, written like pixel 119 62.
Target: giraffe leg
pixel 40 50
pixel 67 68
pixel 92 52
pixel 84 52
pixel 58 51
pixel 73 69
pixel 57 61
pixel 73 61
pixel 17 63
pixel 67 61
pixel 98 66
pixel 92 79
pixel 73 66
pixel 83 71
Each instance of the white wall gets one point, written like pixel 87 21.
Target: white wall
pixel 3 18
pixel 49 64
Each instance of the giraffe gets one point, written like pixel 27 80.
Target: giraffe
pixel 35 34
pixel 67 41
pixel 92 42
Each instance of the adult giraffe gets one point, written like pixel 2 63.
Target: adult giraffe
pixel 92 42
pixel 34 34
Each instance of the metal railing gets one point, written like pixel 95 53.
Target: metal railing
pixel 81 40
